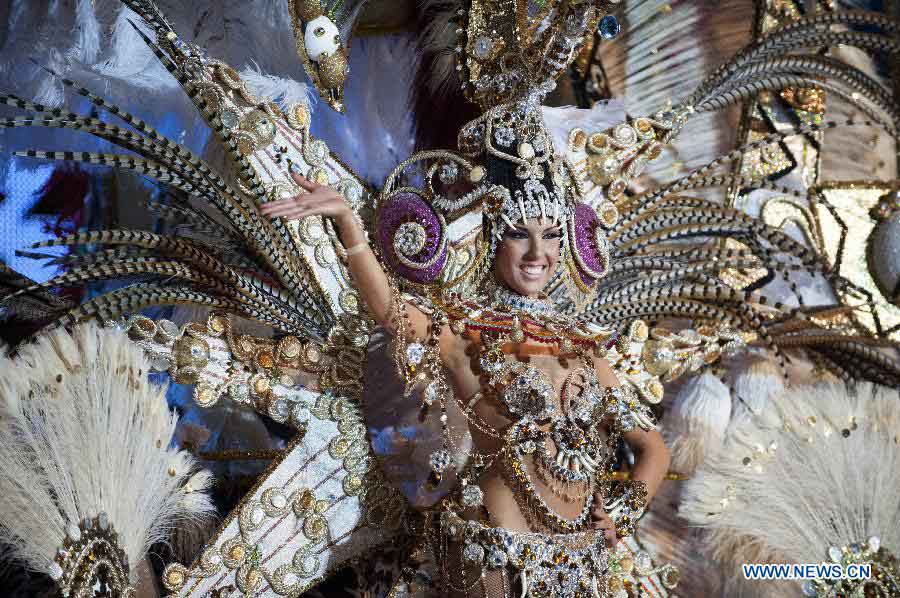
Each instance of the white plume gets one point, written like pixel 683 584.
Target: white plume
pixel 129 61
pixel 819 467
pixel 757 383
pixel 695 425
pixel 50 91
pixel 82 432
pixel 283 91
pixel 87 33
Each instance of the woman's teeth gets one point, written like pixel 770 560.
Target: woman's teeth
pixel 532 271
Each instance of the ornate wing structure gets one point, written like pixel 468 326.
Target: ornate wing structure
pixel 321 506
pixel 713 245
pixel 296 526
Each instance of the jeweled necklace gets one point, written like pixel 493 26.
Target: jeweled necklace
pixel 506 300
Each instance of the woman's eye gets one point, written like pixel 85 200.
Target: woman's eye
pixel 554 235
pixel 516 234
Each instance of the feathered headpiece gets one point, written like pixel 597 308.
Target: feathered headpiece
pixel 508 55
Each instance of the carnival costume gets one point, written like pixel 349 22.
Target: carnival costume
pixel 628 257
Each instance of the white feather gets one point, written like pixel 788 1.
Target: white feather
pixel 285 92
pixel 50 91
pixel 695 425
pixel 806 486
pixel 87 33
pixel 129 61
pixel 92 436
pixel 757 383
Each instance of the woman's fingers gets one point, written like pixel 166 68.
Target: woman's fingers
pixel 295 213
pixel 316 200
pixel 304 182
pixel 609 531
pixel 602 521
pixel 281 210
pixel 611 538
pixel 301 211
pixel 278 206
pixel 304 198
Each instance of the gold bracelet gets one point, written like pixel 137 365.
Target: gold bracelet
pixel 359 248
pixel 635 503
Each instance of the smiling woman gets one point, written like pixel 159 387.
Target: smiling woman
pixel 526 279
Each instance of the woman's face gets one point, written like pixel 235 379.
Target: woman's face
pixel 528 255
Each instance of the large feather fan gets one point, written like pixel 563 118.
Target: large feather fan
pixel 818 467
pixel 83 435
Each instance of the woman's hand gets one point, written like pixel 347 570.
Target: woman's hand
pixel 602 520
pixel 318 200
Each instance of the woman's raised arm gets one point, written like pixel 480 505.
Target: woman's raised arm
pixel 368 275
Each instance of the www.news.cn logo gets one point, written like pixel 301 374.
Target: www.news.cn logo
pixel 806 571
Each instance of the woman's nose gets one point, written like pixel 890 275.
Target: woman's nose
pixel 535 247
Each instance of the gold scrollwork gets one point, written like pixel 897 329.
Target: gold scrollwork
pixel 255 131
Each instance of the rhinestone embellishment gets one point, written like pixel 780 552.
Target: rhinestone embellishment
pixel 439 461
pixel 409 240
pixel 472 496
pixel 415 352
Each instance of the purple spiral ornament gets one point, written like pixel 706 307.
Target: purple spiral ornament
pixel 589 244
pixel 412 236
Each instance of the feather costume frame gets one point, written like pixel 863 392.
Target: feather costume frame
pixel 811 477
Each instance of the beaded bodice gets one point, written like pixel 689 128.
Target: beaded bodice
pixel 555 444
pixel 559 442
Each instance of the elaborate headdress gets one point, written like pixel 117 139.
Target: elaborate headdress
pixel 509 55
